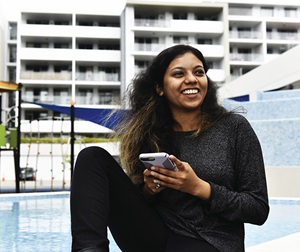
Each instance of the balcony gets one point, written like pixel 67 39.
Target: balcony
pixel 97 32
pixel 249 57
pixel 30 75
pixel 97 55
pixel 175 25
pixel 283 36
pixel 197 26
pixel 240 11
pixel 151 23
pixel 46 54
pixel 100 76
pixel 144 47
pixel 50 99
pixel 245 35
pixel 50 30
pixel 210 51
pixel 87 99
pixel 97 100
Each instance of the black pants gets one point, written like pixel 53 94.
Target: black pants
pixel 103 196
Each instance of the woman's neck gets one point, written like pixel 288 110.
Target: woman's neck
pixel 186 121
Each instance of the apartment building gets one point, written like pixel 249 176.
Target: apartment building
pixel 90 58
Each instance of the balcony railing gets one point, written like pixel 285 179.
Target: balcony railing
pixel 246 34
pixel 246 57
pixel 240 11
pixel 148 47
pixel 47 99
pixel 30 75
pixel 80 100
pixel 100 76
pixel 185 25
pixel 97 100
pixel 151 23
pixel 283 36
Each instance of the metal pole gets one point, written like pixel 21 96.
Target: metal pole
pixel 72 136
pixel 17 150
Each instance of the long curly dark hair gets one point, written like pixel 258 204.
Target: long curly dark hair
pixel 149 126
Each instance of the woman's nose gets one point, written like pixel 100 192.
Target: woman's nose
pixel 190 79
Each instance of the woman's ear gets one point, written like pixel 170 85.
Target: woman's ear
pixel 159 90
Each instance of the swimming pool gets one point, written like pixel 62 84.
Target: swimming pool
pixel 41 222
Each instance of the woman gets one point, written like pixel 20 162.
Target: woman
pixel 219 185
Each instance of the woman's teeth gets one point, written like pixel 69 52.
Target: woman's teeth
pixel 190 91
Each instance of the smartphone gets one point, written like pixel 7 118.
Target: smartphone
pixel 159 159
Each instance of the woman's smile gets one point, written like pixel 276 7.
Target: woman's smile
pixel 190 91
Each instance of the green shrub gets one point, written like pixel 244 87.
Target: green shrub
pixel 57 140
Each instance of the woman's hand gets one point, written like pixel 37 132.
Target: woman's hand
pixel 150 188
pixel 185 180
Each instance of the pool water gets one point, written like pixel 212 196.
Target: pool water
pixel 42 223
pixel 283 220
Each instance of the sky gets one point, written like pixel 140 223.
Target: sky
pixel 109 7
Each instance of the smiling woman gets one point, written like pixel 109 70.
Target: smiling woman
pixel 219 183
pixel 185 87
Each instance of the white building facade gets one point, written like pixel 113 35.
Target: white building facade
pixel 89 55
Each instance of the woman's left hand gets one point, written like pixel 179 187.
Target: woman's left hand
pixel 184 179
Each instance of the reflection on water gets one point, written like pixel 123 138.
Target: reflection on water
pixel 43 224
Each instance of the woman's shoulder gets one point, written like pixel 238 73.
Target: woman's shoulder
pixel 234 119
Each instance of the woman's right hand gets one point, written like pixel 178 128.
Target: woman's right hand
pixel 150 188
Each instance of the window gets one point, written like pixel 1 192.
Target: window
pixel 60 91
pixel 35 115
pixel 182 16
pixel 83 69
pixel 12 31
pixel 85 23
pixel 61 22
pixel 180 39
pixel 290 34
pixel 143 40
pixel 12 74
pixel 267 11
pixel 12 53
pixel 244 32
pixel 105 96
pixel 85 96
pixel 244 50
pixel 290 12
pixel 85 46
pixel 62 45
pixel 61 96
pixel 37 45
pixel 144 16
pixel 58 69
pixel 108 46
pixel 39 22
pixel 204 41
pixel 141 64
pixel 37 68
pixel 245 53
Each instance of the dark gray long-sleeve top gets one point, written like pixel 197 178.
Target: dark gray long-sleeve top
pixel 229 157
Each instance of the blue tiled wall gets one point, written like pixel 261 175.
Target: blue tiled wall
pixel 275 117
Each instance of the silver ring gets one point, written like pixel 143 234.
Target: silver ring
pixel 157 186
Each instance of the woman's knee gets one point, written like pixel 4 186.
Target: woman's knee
pixel 94 157
pixel 93 151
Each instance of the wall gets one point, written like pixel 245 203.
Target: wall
pixel 46 157
pixel 275 117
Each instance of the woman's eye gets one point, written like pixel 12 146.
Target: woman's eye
pixel 199 72
pixel 177 74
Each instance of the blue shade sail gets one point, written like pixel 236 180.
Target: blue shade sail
pixel 103 117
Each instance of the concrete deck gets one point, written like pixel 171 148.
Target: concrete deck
pixel 288 243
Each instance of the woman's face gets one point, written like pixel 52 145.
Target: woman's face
pixel 185 84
